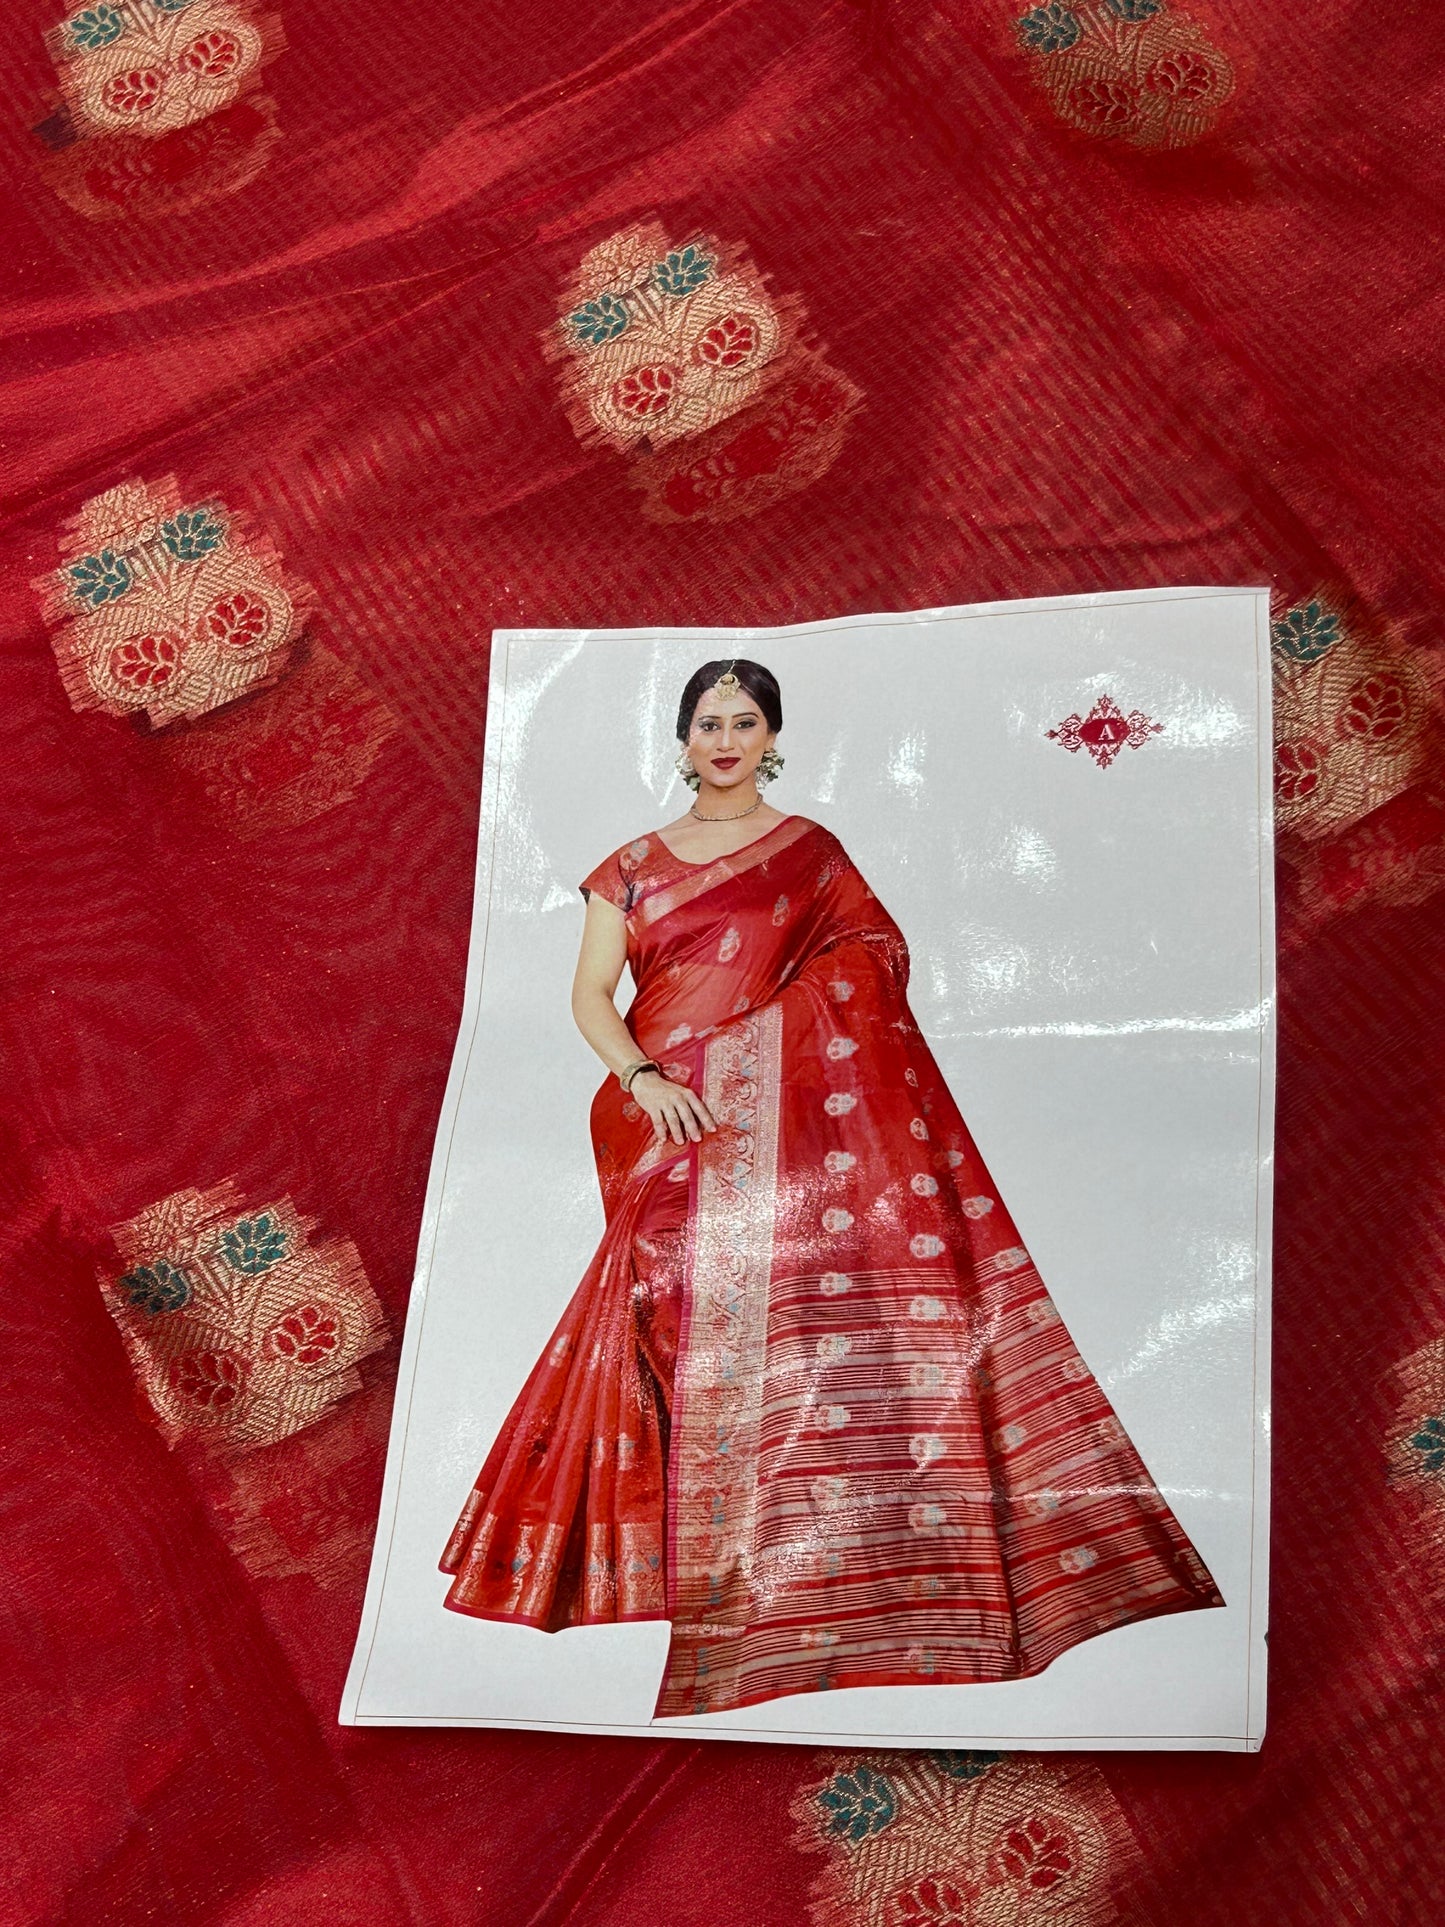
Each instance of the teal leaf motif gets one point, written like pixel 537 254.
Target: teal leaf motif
pixel 100 578
pixel 95 26
pixel 157 1287
pixel 253 1245
pixel 193 533
pixel 1307 633
pixel 1050 29
pixel 597 321
pixel 1429 1442
pixel 858 1804
pixel 1136 12
pixel 684 270
pixel 964 1766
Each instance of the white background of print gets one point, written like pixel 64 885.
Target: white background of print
pixel 1089 965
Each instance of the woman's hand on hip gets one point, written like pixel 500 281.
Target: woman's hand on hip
pixel 675 1111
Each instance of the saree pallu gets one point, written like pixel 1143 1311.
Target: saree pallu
pixel 811 1402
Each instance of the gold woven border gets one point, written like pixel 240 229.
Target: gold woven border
pixel 719 1399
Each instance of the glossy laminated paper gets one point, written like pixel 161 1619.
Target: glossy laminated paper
pixel 925 1401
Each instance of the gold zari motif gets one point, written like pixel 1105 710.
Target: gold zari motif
pixel 239 1328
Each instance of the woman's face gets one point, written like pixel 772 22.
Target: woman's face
pixel 727 740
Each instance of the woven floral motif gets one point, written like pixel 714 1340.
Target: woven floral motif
pixel 665 341
pixel 306 750
pixel 148 67
pixel 1395 855
pixel 1353 722
pixel 786 440
pixel 961 1839
pixel 122 177
pixel 239 1328
pixel 1416 1450
pixel 307 1505
pixel 682 357
pixel 168 606
pixel 1138 71
pixel 1417 1455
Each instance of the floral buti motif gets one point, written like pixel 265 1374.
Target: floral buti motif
pixel 1358 796
pixel 304 751
pixel 961 1840
pixel 136 177
pixel 664 342
pixel 682 357
pixel 1417 1452
pixel 167 606
pixel 1353 722
pixel 149 67
pixel 1130 70
pixel 240 1329
pixel 1417 1444
pixel 787 440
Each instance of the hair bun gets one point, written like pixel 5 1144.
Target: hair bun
pixel 759 683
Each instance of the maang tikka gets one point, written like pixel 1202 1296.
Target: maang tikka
pixel 770 763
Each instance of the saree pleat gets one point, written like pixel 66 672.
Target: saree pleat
pixel 563 1526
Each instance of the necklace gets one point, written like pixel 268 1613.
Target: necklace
pixel 736 817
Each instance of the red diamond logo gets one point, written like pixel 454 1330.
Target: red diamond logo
pixel 1105 731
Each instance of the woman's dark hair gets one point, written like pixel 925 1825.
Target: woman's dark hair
pixel 759 683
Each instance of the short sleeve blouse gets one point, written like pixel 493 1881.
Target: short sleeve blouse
pixel 616 877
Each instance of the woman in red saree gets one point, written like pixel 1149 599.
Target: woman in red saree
pixel 811 1401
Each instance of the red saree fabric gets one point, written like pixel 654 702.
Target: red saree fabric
pixel 1058 331
pixel 883 1460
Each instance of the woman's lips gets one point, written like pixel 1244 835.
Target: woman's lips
pixel 726 762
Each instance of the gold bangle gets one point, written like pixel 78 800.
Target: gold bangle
pixel 625 1078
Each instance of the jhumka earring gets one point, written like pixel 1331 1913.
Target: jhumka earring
pixel 686 771
pixel 770 765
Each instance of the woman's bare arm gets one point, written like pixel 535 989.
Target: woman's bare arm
pixel 599 971
pixel 675 1111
